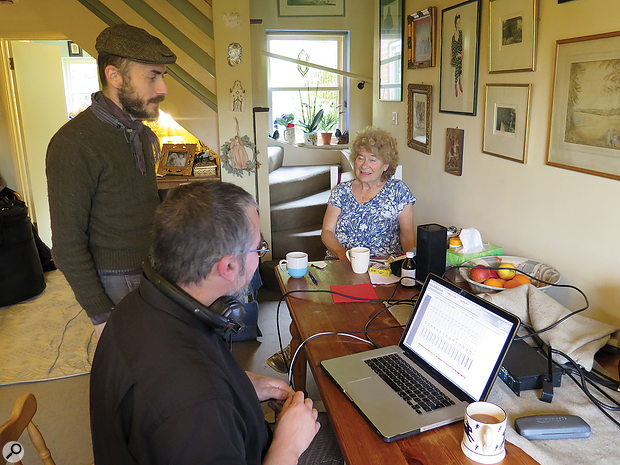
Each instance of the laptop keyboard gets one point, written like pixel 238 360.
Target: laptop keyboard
pixel 408 383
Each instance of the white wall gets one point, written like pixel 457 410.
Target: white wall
pixel 565 218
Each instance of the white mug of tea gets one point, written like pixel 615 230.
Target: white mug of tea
pixel 485 432
pixel 359 258
pixel 296 264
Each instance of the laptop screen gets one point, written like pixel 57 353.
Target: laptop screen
pixel 457 336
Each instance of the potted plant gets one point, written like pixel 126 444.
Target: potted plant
pixel 310 118
pixel 327 123
pixel 286 120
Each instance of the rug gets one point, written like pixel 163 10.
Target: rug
pixel 46 337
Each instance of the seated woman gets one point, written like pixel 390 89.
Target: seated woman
pixel 372 210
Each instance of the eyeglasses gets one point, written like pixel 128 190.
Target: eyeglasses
pixel 264 248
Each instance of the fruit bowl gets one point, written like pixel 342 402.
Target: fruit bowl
pixel 532 267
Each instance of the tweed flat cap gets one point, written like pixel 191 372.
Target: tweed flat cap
pixel 135 44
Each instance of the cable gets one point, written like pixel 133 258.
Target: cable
pixel 553 325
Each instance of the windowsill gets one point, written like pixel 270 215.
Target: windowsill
pixel 313 147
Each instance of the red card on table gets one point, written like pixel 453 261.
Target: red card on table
pixel 365 291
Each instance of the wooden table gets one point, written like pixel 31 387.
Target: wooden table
pixel 316 312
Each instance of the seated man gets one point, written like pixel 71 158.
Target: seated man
pixel 164 386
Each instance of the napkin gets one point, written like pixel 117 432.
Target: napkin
pixel 471 240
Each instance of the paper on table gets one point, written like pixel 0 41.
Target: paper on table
pixel 377 278
pixel 365 291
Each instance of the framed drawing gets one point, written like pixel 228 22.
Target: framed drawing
pixel 177 159
pixel 420 110
pixel 391 14
pixel 454 151
pixel 421 39
pixel 506 120
pixel 74 49
pixel 460 46
pixel 512 35
pixel 584 134
pixel 310 7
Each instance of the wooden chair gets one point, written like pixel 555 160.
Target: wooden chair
pixel 21 418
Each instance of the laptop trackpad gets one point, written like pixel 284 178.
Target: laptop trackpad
pixel 382 406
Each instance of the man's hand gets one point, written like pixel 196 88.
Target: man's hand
pixel 99 329
pixel 295 429
pixel 269 388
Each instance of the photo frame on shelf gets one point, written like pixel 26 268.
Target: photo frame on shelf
pixel 506 120
pixel 391 21
pixel 419 117
pixel 460 48
pixel 177 159
pixel 584 134
pixel 455 139
pixel 74 49
pixel 421 38
pixel 512 35
pixel 310 8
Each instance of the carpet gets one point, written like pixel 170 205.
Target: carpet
pixel 46 337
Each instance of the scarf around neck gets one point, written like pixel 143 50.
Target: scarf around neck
pixel 108 112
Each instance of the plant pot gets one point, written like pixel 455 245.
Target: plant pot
pixel 310 138
pixel 326 138
pixel 289 135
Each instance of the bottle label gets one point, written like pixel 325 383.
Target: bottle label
pixel 408 278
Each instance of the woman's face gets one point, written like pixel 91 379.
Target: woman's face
pixel 368 167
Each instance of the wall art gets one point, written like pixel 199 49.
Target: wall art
pixel 460 46
pixel 506 120
pixel 421 38
pixel 177 159
pixel 584 134
pixel 234 155
pixel 235 50
pixel 237 96
pixel 419 114
pixel 512 35
pixel 454 151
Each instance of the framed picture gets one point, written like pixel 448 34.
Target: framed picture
pixel 310 7
pixel 454 151
pixel 584 134
pixel 421 39
pixel 419 115
pixel 391 14
pixel 74 49
pixel 506 120
pixel 460 46
pixel 512 35
pixel 177 159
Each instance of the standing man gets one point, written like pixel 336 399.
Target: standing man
pixel 164 386
pixel 101 173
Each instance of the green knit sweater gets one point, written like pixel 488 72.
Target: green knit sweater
pixel 101 206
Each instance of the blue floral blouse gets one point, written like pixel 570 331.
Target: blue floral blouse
pixel 373 224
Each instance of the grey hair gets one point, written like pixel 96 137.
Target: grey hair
pixel 196 226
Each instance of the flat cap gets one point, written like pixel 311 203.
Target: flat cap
pixel 135 44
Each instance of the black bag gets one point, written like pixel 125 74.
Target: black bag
pixel 21 273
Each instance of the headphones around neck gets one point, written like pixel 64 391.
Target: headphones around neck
pixel 225 315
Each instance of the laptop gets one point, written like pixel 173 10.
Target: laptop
pixel 448 356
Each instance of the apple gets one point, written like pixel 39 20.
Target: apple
pixel 493 273
pixel 506 274
pixel 480 274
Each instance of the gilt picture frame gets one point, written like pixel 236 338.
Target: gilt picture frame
pixel 310 7
pixel 584 133
pixel 391 33
pixel 419 114
pixel 506 120
pixel 421 38
pixel 177 159
pixel 455 139
pixel 460 49
pixel 512 35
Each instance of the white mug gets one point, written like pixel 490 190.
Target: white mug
pixel 296 264
pixel 359 258
pixel 485 432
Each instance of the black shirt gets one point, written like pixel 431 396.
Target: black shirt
pixel 164 389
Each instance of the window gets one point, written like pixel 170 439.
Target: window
pixel 293 86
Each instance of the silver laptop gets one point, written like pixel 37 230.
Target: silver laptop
pixel 449 355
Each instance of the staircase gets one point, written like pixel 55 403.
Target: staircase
pixel 299 197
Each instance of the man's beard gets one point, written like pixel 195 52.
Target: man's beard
pixel 136 106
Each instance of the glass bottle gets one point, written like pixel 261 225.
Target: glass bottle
pixel 407 272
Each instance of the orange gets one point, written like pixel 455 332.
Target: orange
pixel 494 282
pixel 517 281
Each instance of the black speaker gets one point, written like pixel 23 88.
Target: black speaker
pixel 225 315
pixel 431 251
